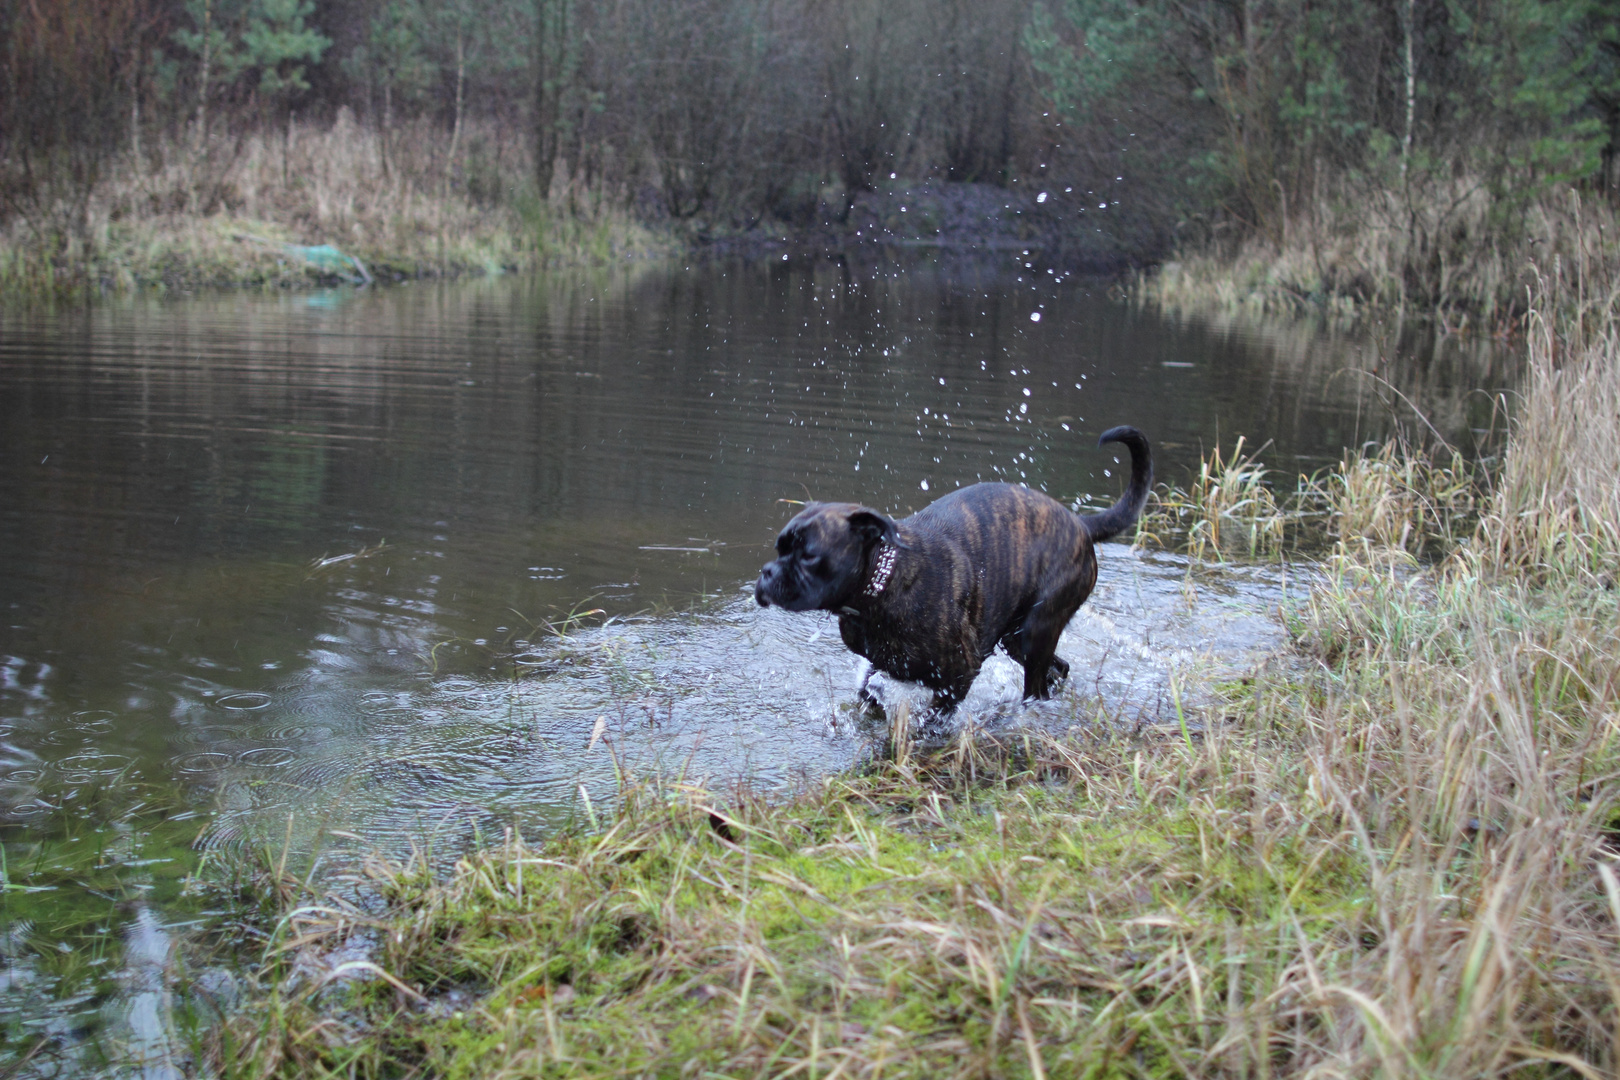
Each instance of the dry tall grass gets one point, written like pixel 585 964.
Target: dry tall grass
pixel 177 215
pixel 1555 513
pixel 1450 251
pixel 1398 499
pixel 1401 878
pixel 1229 508
pixel 1389 501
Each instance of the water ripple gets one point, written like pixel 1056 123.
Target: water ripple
pixel 267 757
pixel 244 702
pixel 712 696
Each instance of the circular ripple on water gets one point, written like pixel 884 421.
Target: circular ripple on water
pixel 325 774
pixel 266 757
pixel 458 687
pixel 312 734
pixel 226 832
pixel 203 761
pixel 82 768
pixel 22 776
pixel 213 736
pixel 96 721
pixel 285 732
pixel 244 701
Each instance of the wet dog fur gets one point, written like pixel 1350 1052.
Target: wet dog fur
pixel 986 565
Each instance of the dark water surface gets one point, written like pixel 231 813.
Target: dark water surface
pixel 365 568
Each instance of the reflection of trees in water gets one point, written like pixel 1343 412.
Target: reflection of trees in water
pixel 1403 376
pixel 648 405
pixel 747 381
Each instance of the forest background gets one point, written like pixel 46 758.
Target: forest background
pixel 1302 152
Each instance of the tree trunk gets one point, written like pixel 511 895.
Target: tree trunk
pixel 1249 62
pixel 387 127
pixel 199 143
pixel 545 99
pixel 135 120
pixel 201 134
pixel 1411 85
pixel 455 127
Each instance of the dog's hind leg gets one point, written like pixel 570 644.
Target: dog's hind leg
pixel 1034 645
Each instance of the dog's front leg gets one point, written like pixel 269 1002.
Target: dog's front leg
pixel 863 692
pixel 951 695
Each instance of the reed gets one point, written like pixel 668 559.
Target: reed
pixel 1391 500
pixel 1555 511
pixel 1229 508
pixel 1397 498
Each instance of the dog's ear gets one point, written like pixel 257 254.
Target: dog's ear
pixel 872 526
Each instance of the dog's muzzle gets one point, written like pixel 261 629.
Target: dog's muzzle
pixel 766 585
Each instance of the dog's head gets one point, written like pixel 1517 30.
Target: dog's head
pixel 822 557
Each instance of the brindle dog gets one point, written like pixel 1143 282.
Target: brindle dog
pixel 928 598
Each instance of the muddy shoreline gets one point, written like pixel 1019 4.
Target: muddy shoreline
pixel 1058 228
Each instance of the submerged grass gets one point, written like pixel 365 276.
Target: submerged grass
pixel 1396 853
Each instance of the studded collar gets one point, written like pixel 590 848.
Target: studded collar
pixel 882 570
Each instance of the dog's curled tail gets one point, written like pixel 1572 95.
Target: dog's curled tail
pixel 1123 514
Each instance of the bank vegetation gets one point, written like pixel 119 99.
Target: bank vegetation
pixel 1338 155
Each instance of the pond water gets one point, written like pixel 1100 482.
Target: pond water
pixel 345 570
